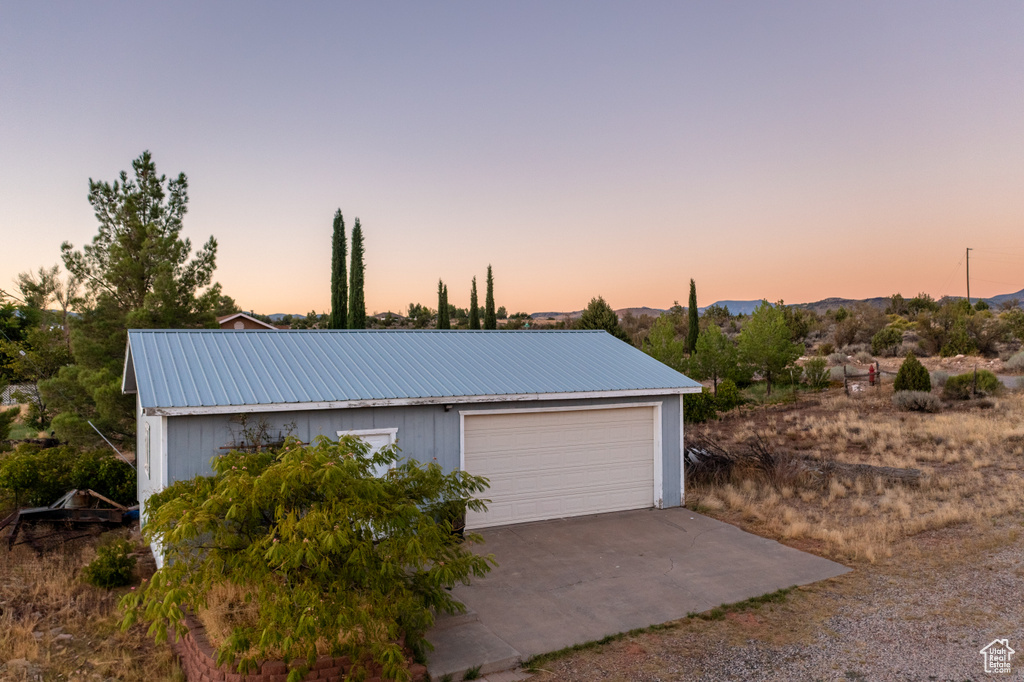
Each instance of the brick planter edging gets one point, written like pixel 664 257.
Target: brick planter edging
pixel 199 662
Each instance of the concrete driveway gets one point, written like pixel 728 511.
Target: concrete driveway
pixel 572 581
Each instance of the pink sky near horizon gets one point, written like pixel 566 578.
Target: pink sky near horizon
pixel 790 151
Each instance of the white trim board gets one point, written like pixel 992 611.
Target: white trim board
pixel 399 402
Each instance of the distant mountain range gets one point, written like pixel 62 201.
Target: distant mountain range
pixel 747 307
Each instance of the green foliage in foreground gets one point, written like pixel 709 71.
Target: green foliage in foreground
pixel 912 376
pixel 112 566
pixel 329 552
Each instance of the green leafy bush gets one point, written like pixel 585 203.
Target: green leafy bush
pixel 728 395
pixel 912 376
pixel 337 560
pixel 958 341
pixel 105 473
pixel 699 407
pixel 887 340
pixel 112 566
pixel 38 476
pixel 962 386
pixel 917 401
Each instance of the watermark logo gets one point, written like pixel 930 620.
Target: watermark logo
pixel 997 656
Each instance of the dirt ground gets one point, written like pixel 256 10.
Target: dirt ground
pixel 54 626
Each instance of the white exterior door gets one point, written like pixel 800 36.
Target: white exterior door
pixel 377 439
pixel 546 464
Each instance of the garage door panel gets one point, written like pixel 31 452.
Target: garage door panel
pixel 568 479
pixel 544 465
pixel 637 453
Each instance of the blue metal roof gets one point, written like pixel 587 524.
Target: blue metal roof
pixel 207 368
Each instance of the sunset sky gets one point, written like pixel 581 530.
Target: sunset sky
pixel 785 150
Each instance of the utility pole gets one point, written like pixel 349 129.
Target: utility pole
pixel 968 276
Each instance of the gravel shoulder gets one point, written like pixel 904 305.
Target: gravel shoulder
pixel 924 614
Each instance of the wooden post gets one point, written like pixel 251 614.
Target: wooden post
pixel 846 384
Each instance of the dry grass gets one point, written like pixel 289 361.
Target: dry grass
pixel 43 601
pixel 972 462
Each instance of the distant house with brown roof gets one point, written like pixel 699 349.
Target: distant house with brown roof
pixel 242 321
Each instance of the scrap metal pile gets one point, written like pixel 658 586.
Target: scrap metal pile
pixel 78 513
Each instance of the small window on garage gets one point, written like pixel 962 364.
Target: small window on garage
pixel 377 438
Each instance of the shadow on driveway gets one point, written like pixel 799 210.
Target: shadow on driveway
pixel 570 581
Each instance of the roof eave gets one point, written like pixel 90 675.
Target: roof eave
pixel 405 402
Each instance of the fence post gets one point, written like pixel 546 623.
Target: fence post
pixel 846 384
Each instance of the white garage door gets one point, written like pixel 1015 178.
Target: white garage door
pixel 553 464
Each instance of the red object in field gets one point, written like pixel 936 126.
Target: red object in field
pixel 871 375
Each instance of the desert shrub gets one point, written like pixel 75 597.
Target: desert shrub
pixel 728 395
pixel 699 407
pixel 826 349
pixel 917 401
pixel 958 341
pixel 112 566
pixel 337 560
pixel 912 376
pixel 864 357
pixel 962 386
pixel 838 358
pixel 816 373
pixel 887 340
pixel 836 374
pixel 1016 362
pixel 939 377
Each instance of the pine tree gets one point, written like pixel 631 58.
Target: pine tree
pixel 356 302
pixel 912 376
pixel 474 310
pixel 339 275
pixel 694 324
pixel 490 318
pixel 599 315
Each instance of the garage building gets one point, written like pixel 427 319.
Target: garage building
pixel 563 423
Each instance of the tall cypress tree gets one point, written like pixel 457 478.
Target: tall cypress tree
pixel 339 275
pixel 474 309
pixel 694 323
pixel 490 319
pixel 356 302
pixel 447 310
pixel 443 320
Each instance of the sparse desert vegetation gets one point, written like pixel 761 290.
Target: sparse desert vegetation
pixel 970 458
pixel 55 626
